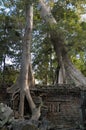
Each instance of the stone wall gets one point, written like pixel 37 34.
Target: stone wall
pixel 64 110
pixel 63 105
pixel 61 102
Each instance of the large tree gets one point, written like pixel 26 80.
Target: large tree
pixel 25 79
pixel 68 73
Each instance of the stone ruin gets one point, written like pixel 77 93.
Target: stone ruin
pixel 63 105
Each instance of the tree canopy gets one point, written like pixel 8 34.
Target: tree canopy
pixel 68 14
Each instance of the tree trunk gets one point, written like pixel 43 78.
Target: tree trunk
pixel 69 73
pixel 25 72
pixel 26 79
pixel 31 77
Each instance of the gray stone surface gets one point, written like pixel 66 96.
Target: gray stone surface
pixel 5 114
pixel 24 125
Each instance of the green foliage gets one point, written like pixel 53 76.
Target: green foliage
pixel 12 23
pixel 11 26
pixel 44 62
pixel 8 76
pixel 80 61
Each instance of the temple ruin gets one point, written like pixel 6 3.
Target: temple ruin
pixel 64 105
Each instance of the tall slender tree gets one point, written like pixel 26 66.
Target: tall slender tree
pixel 25 80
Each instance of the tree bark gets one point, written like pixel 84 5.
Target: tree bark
pixel 68 71
pixel 26 79
pixel 25 72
